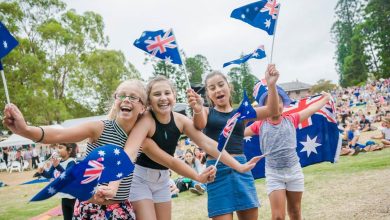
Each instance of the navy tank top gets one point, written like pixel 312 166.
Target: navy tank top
pixel 166 137
pixel 216 121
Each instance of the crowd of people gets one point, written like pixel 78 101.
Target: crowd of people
pixel 361 109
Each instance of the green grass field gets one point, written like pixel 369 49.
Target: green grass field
pixel 357 187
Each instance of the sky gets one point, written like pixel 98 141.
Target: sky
pixel 303 48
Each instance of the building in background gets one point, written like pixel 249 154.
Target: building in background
pixel 296 90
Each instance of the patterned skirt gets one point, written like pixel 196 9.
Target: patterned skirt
pixel 118 211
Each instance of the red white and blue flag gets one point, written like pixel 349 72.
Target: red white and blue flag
pixel 259 53
pixel 102 165
pixel 244 111
pixel 318 138
pixel 261 14
pixel 161 44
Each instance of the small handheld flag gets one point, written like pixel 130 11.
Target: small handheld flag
pixel 244 112
pixel 261 14
pixel 161 44
pixel 259 53
pixel 7 43
pixel 102 165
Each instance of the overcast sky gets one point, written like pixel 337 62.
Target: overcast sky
pixel 302 49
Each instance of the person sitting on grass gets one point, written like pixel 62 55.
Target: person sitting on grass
pixel 195 187
pixel 385 133
pixel 351 135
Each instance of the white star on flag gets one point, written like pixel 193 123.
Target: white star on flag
pixel 51 190
pixel 62 176
pixel 116 151
pixel 310 145
pixel 243 16
pixel 119 175
pixel 101 153
pixel 255 54
pixel 267 23
pixel 168 60
pixel 118 162
pixel 246 103
pixel 5 44
pixel 248 138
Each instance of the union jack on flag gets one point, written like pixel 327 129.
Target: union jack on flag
pixel 94 172
pixel 327 111
pixel 161 44
pixel 261 14
pixel 102 165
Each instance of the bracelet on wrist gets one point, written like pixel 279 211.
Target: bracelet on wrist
pixel 42 136
pixel 197 113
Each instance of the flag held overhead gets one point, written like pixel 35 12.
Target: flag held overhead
pixel 259 53
pixel 261 14
pixel 161 44
pixel 7 41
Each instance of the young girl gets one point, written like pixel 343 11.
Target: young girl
pixel 194 163
pixel 67 155
pixel 231 191
pixel 284 176
pixel 149 192
pixel 127 107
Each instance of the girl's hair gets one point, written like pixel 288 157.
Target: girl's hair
pixel 71 148
pixel 210 75
pixel 142 92
pixel 156 79
pixel 193 156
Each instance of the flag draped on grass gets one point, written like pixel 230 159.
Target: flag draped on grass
pixel 318 137
pixel 259 53
pixel 102 165
pixel 261 14
pixel 161 44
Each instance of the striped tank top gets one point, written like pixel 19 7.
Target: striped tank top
pixel 114 134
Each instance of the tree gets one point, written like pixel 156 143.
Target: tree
pixel 57 56
pixel 322 85
pixel 196 67
pixel 242 79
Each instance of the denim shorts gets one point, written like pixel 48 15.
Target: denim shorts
pixel 290 179
pixel 231 191
pixel 150 184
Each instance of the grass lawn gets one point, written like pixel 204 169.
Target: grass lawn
pixel 357 187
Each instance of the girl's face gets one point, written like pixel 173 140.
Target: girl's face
pixel 197 151
pixel 128 101
pixel 189 157
pixel 62 152
pixel 218 90
pixel 161 98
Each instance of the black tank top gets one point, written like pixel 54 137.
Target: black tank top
pixel 166 137
pixel 216 121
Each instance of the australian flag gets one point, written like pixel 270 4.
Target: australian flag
pixel 317 141
pixel 102 165
pixel 259 53
pixel 261 14
pixel 161 44
pixel 244 111
pixel 7 42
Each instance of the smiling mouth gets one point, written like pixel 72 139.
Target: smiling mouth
pixel 126 109
pixel 220 96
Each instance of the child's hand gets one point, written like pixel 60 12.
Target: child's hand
pixel 250 164
pixel 55 161
pixel 326 95
pixel 195 101
pixel 207 175
pixel 271 74
pixel 103 193
pixel 13 119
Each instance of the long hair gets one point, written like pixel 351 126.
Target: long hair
pixel 71 148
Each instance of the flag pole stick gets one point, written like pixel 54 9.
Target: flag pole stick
pixel 227 139
pixel 273 38
pixel 184 62
pixel 5 84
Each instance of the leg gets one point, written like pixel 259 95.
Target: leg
pixel 163 210
pixel 248 214
pixel 277 199
pixel 386 143
pixel 294 205
pixel 144 209
pixel 224 217
pixel 67 208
